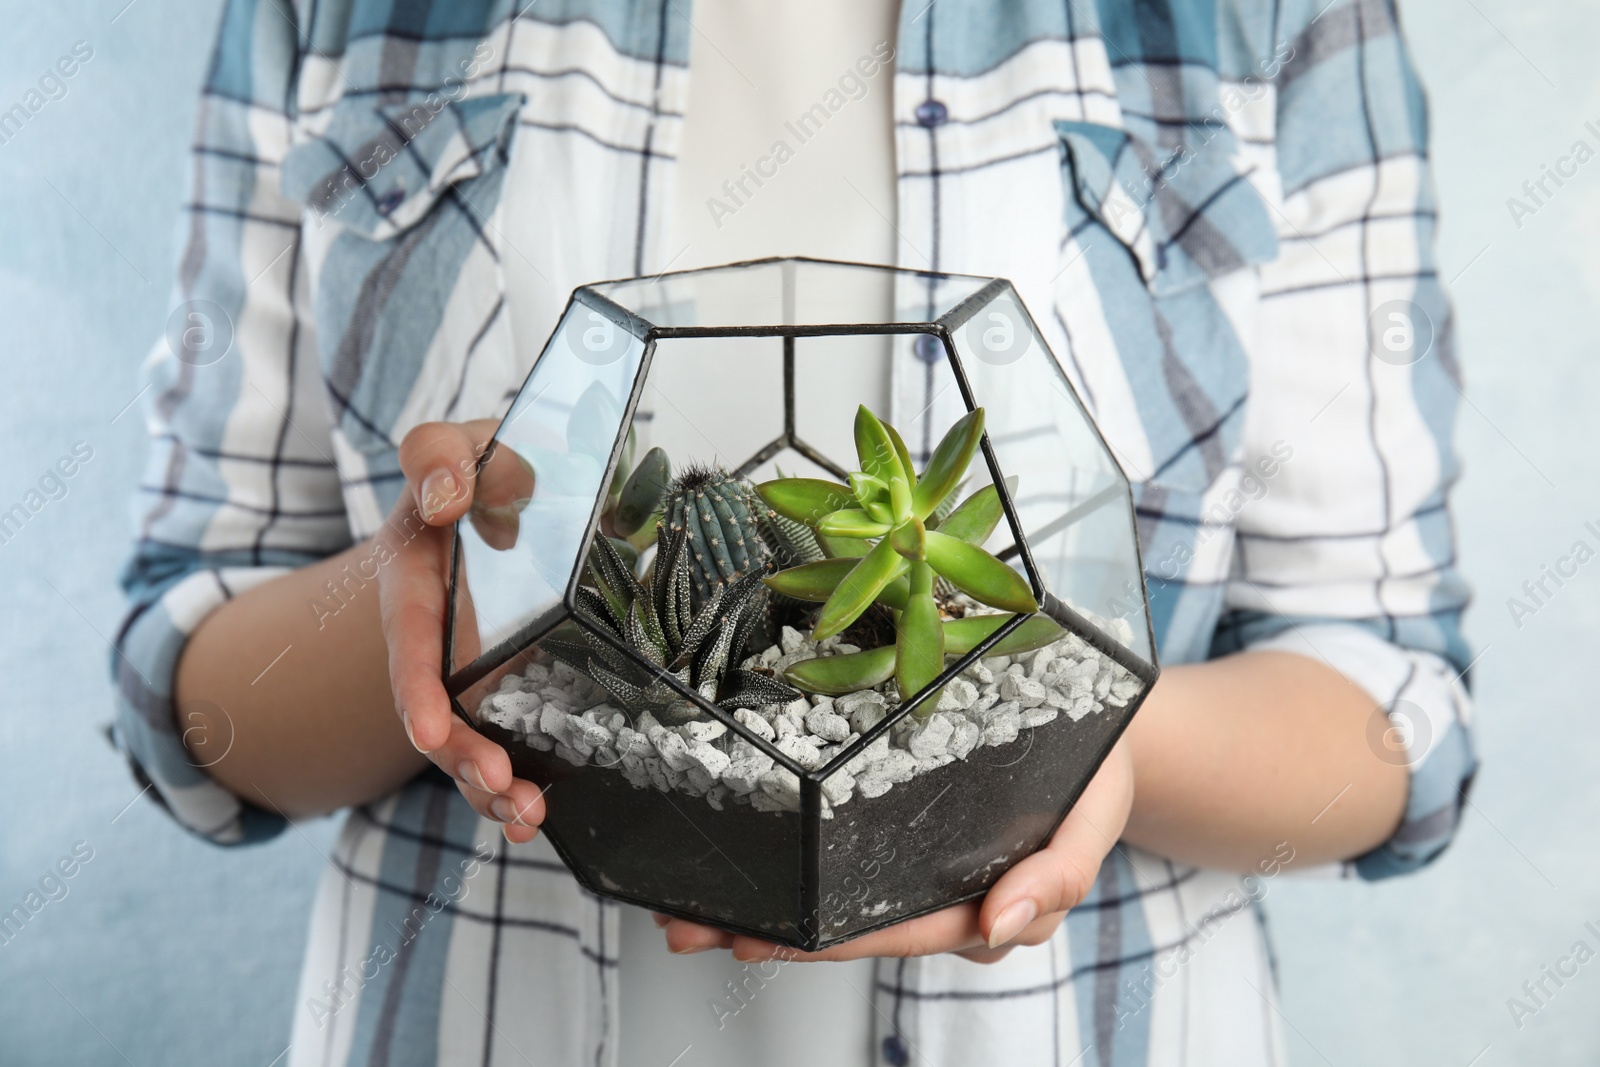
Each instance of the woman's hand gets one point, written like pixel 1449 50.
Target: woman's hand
pixel 440 461
pixel 1023 908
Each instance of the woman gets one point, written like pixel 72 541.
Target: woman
pixel 1219 214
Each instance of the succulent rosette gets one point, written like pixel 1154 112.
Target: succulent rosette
pixel 890 534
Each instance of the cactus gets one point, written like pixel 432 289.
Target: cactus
pixel 718 513
pixel 654 618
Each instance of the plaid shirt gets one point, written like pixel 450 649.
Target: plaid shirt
pixel 1211 210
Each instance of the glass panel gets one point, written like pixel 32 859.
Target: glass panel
pixel 711 400
pixel 931 815
pixel 538 487
pixel 791 292
pixel 1071 496
pixel 633 826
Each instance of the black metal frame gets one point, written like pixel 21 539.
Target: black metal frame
pixel 530 634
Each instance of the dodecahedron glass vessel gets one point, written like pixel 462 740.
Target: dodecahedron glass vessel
pixel 684 772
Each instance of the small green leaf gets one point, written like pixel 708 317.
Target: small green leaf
pixel 978 574
pixel 851 522
pixel 963 635
pixel 843 547
pixel 868 489
pixel 976 518
pixel 642 493
pixel 904 453
pixel 814 582
pixel 859 589
pixel 881 512
pixel 836 675
pixel 950 461
pixel 879 457
pixel 805 500
pixel 624 464
pixel 919 641
pixel 907 539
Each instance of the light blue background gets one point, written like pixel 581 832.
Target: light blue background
pixel 166 951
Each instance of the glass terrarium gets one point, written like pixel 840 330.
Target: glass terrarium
pixel 809 590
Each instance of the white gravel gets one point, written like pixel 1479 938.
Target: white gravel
pixel 553 708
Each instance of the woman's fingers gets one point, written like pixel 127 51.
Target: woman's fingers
pixel 440 461
pixel 1058 877
pixel 411 594
pixel 519 809
pixel 950 930
pixel 685 937
pixel 468 756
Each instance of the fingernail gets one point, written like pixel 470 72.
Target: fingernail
pixel 1012 921
pixel 691 950
pixel 504 810
pixel 406 719
pixel 438 489
pixel 468 772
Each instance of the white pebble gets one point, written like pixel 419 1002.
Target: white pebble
pixel 838 787
pixel 744 772
pixel 781 785
pixel 932 738
pixel 710 758
pixel 1025 691
pixel 754 723
pixel 1040 715
pixel 704 731
pixel 964 739
pixel 802 750
pixel 1040 662
pixel 873 784
pixel 1002 728
pixel 898 766
pixel 791 640
pixel 826 724
pixel 674 750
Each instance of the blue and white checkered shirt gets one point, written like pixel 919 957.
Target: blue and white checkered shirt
pixel 1214 210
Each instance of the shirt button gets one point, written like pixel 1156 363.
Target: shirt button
pixel 390 201
pixel 895 1051
pixel 931 113
pixel 927 348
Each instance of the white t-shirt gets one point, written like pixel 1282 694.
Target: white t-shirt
pixel 754 70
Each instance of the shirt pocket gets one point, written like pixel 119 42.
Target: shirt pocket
pixel 1186 213
pixel 406 277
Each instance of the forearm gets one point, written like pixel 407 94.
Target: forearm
pixel 314 731
pixel 1236 756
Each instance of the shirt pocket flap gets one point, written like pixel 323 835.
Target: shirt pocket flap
pixel 377 169
pixel 1186 213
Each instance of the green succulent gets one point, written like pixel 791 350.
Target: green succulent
pixel 893 534
pixel 635 501
pixel 656 619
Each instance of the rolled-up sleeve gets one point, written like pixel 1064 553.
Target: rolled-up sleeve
pixel 1349 556
pixel 240 484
